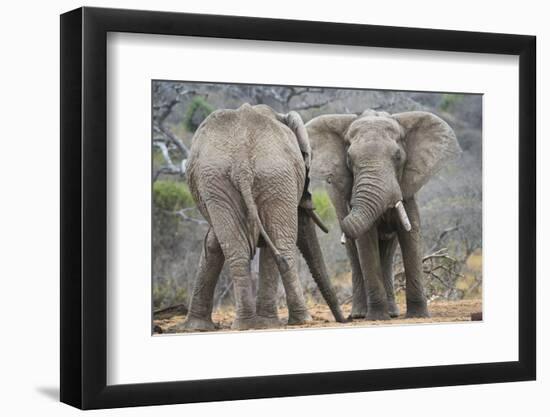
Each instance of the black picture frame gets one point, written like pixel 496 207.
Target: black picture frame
pixel 84 207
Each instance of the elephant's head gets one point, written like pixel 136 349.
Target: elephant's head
pixel 376 160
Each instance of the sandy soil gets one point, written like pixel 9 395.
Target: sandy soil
pixel 441 311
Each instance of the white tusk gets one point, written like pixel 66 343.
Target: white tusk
pixel 343 239
pixel 402 214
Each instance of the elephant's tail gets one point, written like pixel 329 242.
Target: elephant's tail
pixel 243 183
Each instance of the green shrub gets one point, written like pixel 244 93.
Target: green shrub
pixel 197 111
pixel 323 206
pixel 450 100
pixel 171 195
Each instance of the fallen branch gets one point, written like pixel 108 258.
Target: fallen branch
pixel 168 312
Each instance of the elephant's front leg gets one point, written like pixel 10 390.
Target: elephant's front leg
pixel 369 257
pixel 387 251
pixel 359 307
pixel 411 248
pixel 268 288
pixel 210 266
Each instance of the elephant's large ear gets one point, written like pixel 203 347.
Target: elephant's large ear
pixel 327 138
pixel 429 142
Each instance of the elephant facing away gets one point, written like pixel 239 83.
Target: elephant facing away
pixel 247 172
pixel 374 164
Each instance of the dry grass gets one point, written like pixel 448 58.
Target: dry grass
pixel 441 311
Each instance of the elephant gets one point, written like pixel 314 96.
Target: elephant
pixel 374 164
pixel 248 173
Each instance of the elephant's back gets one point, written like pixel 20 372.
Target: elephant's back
pixel 213 146
pixel 277 161
pixel 226 136
pixel 228 139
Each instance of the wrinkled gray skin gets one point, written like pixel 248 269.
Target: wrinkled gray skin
pixel 371 162
pixel 246 172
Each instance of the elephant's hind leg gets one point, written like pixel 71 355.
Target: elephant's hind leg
pixel 268 288
pixel 210 266
pixel 282 229
pixel 242 287
pixel 297 309
pixel 228 226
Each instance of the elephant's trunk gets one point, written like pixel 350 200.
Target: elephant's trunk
pixel 370 199
pixel 310 248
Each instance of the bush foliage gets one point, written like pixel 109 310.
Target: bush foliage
pixel 171 195
pixel 323 206
pixel 449 101
pixel 197 111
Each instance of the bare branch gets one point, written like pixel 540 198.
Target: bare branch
pixel 183 215
pixel 440 254
pixel 165 110
pixel 173 139
pixel 165 154
pixel 166 170
pixel 431 263
pixel 442 235
pixel 311 106
pixel 169 168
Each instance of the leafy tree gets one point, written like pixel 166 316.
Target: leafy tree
pixel 197 111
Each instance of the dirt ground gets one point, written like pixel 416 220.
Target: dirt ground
pixel 441 311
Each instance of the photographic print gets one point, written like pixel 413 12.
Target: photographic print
pixel 292 207
pixel 321 205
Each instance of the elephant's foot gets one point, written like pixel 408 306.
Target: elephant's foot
pixel 267 322
pixel 415 310
pixel 358 311
pixel 377 312
pixel 296 318
pixel 393 310
pixel 202 324
pixel 244 323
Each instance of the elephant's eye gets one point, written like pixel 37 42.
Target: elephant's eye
pixel 397 156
